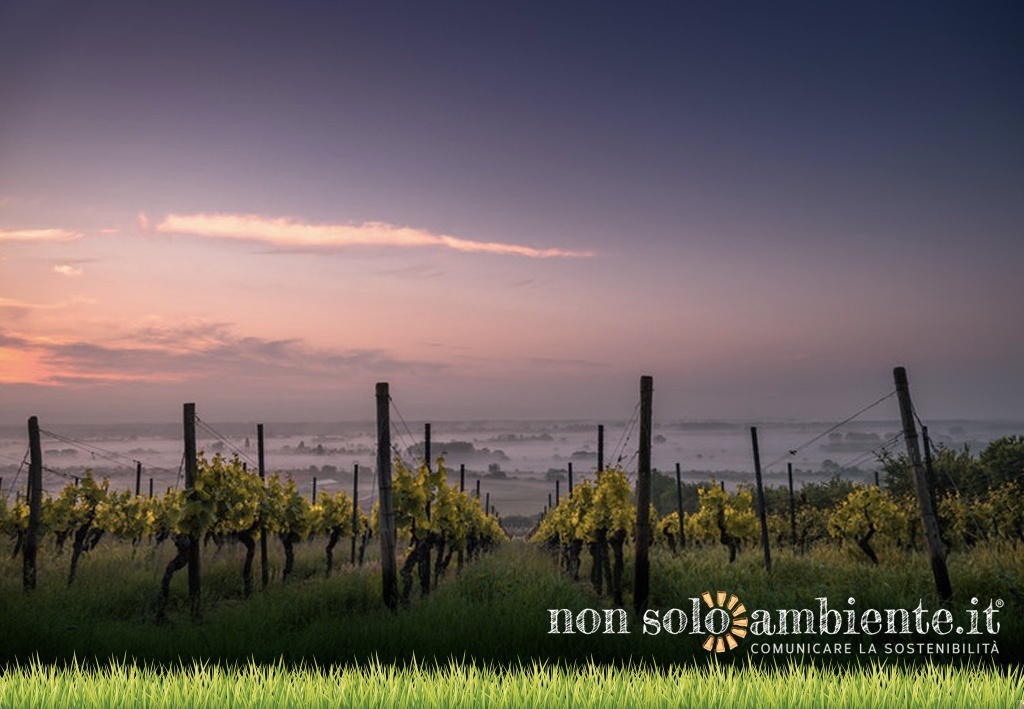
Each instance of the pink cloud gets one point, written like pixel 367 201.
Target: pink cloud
pixel 67 270
pixel 39 235
pixel 187 352
pixel 293 233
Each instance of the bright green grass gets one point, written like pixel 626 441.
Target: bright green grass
pixel 537 685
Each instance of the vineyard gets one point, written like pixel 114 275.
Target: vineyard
pixel 600 515
pixel 104 578
pixel 228 505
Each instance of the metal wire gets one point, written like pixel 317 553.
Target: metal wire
pixel 794 451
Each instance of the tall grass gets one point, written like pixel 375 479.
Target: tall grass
pixel 495 611
pixel 456 685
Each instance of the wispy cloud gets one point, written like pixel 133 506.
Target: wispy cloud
pixel 566 362
pixel 11 235
pixel 415 272
pixel 187 352
pixel 65 269
pixel 291 233
pixel 15 304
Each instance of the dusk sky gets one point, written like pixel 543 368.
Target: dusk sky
pixel 509 209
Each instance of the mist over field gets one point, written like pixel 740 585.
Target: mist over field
pixel 516 461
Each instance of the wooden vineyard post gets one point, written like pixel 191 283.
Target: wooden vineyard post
pixel 138 478
pixel 389 573
pixel 600 447
pixel 312 497
pixel 558 491
pixel 424 561
pixel 355 510
pixel 642 581
pixel 924 502
pixel 570 478
pixel 426 446
pixel 929 471
pixel 459 556
pixel 478 488
pixel 760 501
pixel 792 505
pixel 151 488
pixel 262 461
pixel 35 500
pixel 189 421
pixel 679 506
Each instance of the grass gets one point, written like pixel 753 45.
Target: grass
pixel 796 579
pixel 495 612
pixel 480 639
pixel 460 685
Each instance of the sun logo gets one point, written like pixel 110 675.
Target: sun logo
pixel 725 622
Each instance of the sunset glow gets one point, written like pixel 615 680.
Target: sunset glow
pixel 509 211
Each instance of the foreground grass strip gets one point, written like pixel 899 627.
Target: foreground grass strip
pixel 538 685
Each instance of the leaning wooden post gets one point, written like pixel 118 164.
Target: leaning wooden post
pixel 389 574
pixel 642 581
pixel 191 469
pixel 679 506
pixel 792 505
pixel 600 447
pixel 760 501
pixel 138 478
pixel 35 501
pixel 929 471
pixel 355 510
pixel 264 566
pixel 924 502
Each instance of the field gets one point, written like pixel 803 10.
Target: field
pixel 480 638
pixel 544 622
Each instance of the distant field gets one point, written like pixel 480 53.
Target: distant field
pixel 523 450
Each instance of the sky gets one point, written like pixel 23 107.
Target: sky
pixel 509 210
